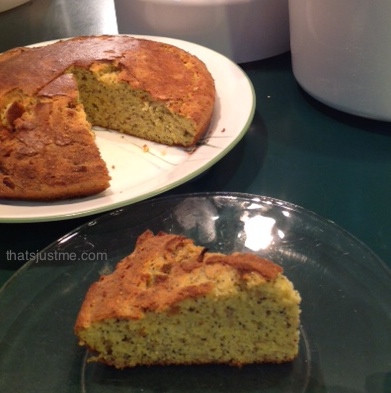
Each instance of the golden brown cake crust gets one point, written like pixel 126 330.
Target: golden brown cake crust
pixel 165 71
pixel 50 152
pixel 151 279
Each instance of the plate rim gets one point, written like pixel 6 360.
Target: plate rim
pixel 205 194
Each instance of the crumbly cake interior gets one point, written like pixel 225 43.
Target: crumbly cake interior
pixel 175 303
pixel 237 327
pixel 116 105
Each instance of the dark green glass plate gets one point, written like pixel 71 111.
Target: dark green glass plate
pixel 346 309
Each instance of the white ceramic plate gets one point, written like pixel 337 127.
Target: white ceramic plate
pixel 138 173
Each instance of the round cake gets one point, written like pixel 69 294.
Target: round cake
pixel 51 96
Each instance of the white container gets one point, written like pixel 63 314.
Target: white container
pixel 341 53
pixel 242 30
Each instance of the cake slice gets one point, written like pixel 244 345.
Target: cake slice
pixel 173 302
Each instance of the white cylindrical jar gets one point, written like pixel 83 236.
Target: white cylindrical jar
pixel 341 53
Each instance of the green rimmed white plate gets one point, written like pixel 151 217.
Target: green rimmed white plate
pixel 138 173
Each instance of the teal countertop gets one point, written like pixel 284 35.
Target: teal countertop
pixel 296 149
